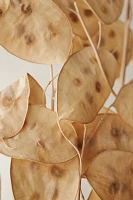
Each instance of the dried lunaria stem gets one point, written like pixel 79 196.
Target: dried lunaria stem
pixel 73 11
pixel 83 198
pixel 125 44
pixel 115 49
pixel 50 82
pixel 93 46
pixel 52 87
pixel 83 144
pixel 82 153
pixel 80 161
pixel 100 34
pixel 100 121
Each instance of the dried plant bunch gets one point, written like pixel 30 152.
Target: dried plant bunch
pixel 53 149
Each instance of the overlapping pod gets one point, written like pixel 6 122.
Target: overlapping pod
pixel 110 174
pixel 32 30
pixel 112 38
pixel 14 102
pixel 124 103
pixel 13 107
pixel 107 11
pixel 43 181
pixel 40 138
pixel 67 6
pixel 106 133
pixel 82 89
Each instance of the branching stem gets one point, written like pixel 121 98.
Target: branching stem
pixel 94 48
pixel 100 35
pixel 52 87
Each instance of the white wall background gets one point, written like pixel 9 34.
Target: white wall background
pixel 11 69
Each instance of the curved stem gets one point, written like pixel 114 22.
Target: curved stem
pixel 100 34
pixel 125 44
pixel 83 145
pixel 80 161
pixel 52 87
pixel 101 120
pixel 50 82
pixel 94 49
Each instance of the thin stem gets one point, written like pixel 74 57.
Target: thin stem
pixel 83 146
pixel 100 35
pixel 44 91
pixel 50 82
pixel 93 46
pixel 82 153
pixel 80 161
pixel 70 9
pixel 52 87
pixel 82 195
pixel 101 120
pixel 115 49
pixel 125 44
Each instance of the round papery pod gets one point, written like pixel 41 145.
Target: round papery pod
pixel 93 196
pixel 108 11
pixel 32 180
pixel 67 6
pixel 110 174
pixel 81 88
pixel 32 30
pixel 79 128
pixel 106 133
pixel 40 138
pixel 124 103
pixel 112 37
pixel 14 102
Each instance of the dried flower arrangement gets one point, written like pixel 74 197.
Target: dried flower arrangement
pixel 52 150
